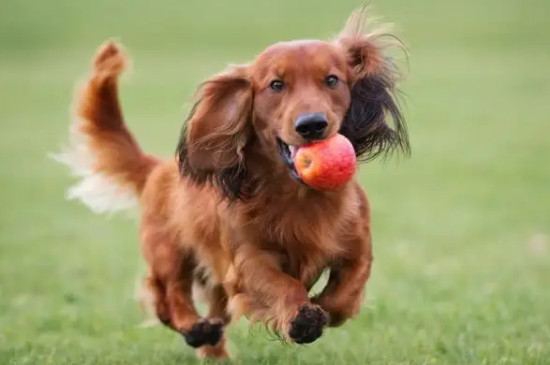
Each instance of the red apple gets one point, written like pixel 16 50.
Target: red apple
pixel 326 164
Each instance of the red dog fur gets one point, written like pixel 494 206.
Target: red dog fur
pixel 226 213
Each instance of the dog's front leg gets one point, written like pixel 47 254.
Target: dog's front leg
pixel 343 295
pixel 282 299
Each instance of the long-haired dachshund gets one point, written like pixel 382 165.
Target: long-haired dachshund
pixel 228 213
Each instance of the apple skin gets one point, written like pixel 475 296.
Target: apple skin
pixel 326 164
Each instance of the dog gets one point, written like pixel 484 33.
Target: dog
pixel 229 213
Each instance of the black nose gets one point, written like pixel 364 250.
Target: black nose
pixel 311 125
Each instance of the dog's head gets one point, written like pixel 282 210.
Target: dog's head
pixel 292 94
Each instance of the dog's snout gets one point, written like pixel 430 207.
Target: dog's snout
pixel 311 125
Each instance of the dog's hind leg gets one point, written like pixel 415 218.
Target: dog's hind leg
pixel 216 298
pixel 156 289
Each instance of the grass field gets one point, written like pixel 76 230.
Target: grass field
pixel 461 229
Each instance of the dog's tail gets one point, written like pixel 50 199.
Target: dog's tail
pixel 102 152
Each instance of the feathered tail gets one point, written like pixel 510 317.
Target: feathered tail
pixel 103 153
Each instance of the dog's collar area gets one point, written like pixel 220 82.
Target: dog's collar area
pixel 286 153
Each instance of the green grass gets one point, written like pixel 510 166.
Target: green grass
pixel 461 229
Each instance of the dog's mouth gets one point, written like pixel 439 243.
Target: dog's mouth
pixel 287 152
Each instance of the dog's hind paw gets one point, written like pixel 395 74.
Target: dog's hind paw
pixel 308 324
pixel 204 332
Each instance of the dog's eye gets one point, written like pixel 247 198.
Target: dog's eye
pixel 332 81
pixel 277 85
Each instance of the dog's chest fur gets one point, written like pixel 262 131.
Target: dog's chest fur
pixel 306 228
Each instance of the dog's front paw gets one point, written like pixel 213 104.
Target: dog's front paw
pixel 204 332
pixel 307 325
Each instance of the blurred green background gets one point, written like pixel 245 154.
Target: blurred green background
pixel 461 229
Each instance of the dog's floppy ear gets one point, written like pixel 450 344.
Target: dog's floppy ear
pixel 373 102
pixel 212 143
